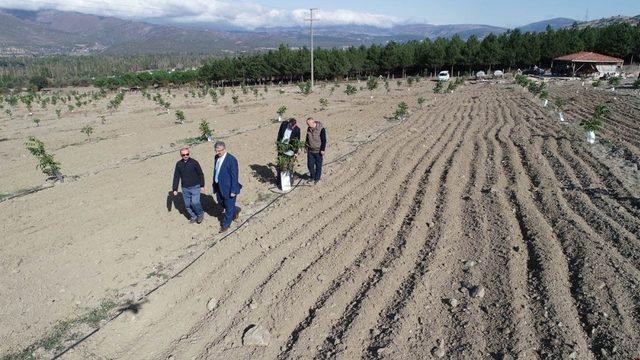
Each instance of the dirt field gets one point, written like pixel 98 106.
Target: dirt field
pixel 480 227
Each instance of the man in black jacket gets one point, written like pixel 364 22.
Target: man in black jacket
pixel 189 172
pixel 288 131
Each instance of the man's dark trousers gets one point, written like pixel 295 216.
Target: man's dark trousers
pixel 314 163
pixel 229 205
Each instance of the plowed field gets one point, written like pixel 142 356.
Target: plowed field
pixel 480 227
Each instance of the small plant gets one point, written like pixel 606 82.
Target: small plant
pixel 560 103
pixel 452 86
pixel 214 96
pixel 234 98
pixel 594 123
pixel 36 121
pixel 439 87
pixel 255 92
pixel 222 92
pixel 103 119
pixel 372 83
pixel 401 111
pixel 615 81
pixel 87 130
pixel 180 116
pixel 421 101
pixel 205 131
pixel 244 89
pixel 386 85
pixel 636 84
pixel 399 83
pixel 324 103
pixel 305 87
pixel 409 81
pixel 9 113
pixel 350 90
pixel 281 110
pixel 596 83
pixel 46 162
pixel 286 160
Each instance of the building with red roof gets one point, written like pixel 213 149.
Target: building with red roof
pixel 586 63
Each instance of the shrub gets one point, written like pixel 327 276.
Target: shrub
pixel 305 87
pixel 421 101
pixel 281 110
pixel 350 90
pixel 401 111
pixel 36 121
pixel 46 162
pixel 439 87
pixel 205 130
pixel 595 122
pixel 324 103
pixel 180 116
pixel 234 98
pixel 409 81
pixel 614 81
pixel 372 83
pixel 286 163
pixel 87 130
pixel 595 83
pixel 636 84
pixel 452 86
pixel 560 103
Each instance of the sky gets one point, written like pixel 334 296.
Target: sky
pixel 250 14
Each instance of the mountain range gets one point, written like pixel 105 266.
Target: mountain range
pixel 45 32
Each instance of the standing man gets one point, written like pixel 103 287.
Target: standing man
pixel 288 131
pixel 189 172
pixel 316 144
pixel 225 184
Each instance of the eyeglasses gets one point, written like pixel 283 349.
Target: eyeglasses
pixel 183 155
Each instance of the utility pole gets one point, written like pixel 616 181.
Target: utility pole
pixel 311 20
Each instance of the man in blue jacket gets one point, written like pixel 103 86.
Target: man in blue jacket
pixel 225 184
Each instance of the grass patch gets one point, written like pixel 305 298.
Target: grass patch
pixel 191 141
pixel 62 330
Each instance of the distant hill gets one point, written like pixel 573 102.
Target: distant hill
pixel 556 23
pixel 65 32
pixel 632 20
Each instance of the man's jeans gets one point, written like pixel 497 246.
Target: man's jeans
pixel 191 196
pixel 314 162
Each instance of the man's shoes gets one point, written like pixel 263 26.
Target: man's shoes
pixel 193 220
pixel 223 230
pixel 315 182
pixel 237 214
pixel 199 219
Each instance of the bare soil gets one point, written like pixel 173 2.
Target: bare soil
pixel 481 196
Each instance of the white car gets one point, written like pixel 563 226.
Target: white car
pixel 443 76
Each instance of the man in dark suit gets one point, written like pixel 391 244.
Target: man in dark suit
pixel 288 131
pixel 225 184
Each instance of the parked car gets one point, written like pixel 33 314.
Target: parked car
pixel 443 76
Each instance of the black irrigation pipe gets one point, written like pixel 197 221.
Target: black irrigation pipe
pixel 125 307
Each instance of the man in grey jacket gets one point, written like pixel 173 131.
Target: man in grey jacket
pixel 316 143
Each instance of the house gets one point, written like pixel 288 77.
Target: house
pixel 586 64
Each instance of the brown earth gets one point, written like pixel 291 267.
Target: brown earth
pixel 482 197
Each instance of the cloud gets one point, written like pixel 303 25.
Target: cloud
pixel 245 14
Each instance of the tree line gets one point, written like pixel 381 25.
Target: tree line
pixel 513 49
